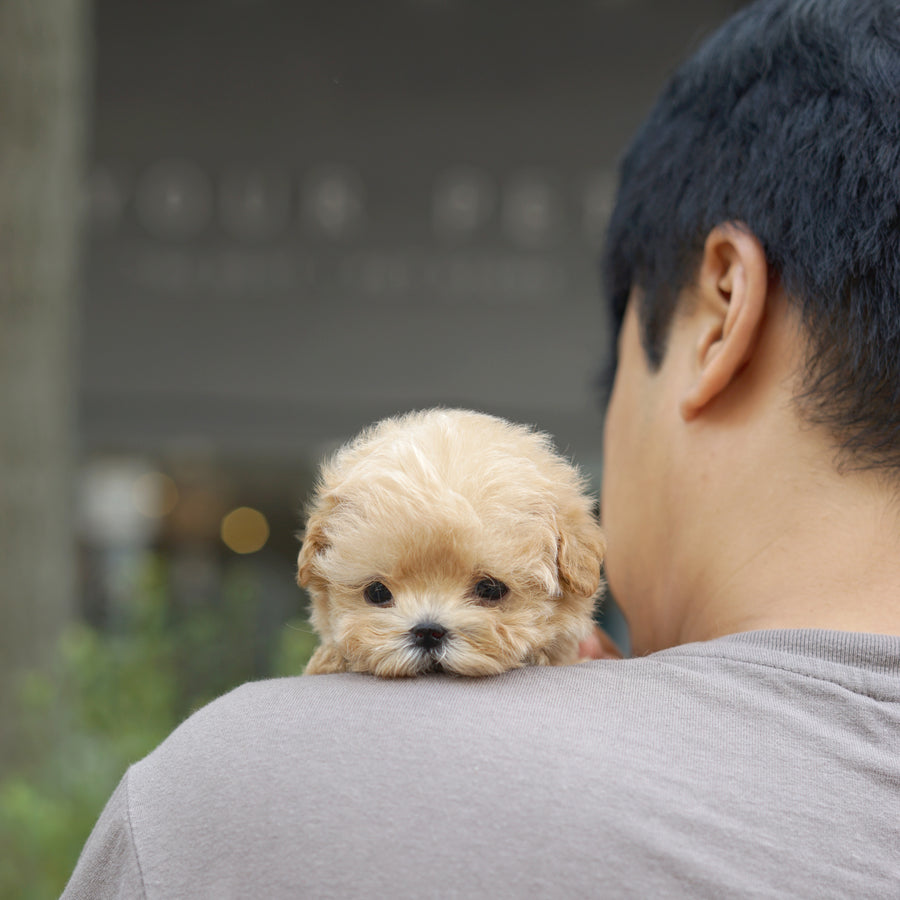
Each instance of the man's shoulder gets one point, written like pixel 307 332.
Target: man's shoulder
pixel 285 724
pixel 362 784
pixel 331 704
pixel 303 712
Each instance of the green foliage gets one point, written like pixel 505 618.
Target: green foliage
pixel 295 647
pixel 111 698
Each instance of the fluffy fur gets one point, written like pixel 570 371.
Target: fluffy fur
pixel 434 506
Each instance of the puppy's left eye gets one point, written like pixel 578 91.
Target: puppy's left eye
pixel 490 590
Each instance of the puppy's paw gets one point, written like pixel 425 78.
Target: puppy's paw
pixel 326 660
pixel 564 653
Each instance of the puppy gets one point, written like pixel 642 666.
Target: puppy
pixel 449 541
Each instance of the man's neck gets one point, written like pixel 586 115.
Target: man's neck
pixel 825 554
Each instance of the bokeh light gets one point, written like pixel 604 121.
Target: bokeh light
pixel 154 494
pixel 245 530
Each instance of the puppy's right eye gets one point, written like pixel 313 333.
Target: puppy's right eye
pixel 378 594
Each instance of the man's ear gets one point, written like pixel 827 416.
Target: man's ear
pixel 732 288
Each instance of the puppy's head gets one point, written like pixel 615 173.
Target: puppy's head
pixel 450 541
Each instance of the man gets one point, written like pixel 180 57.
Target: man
pixel 750 495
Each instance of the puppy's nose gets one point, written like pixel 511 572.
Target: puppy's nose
pixel 428 635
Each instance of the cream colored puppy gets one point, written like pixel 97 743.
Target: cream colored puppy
pixel 449 541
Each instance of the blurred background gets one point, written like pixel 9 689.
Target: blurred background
pixel 232 233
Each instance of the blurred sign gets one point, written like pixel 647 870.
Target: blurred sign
pixel 308 215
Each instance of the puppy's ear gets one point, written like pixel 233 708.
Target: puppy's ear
pixel 314 543
pixel 581 548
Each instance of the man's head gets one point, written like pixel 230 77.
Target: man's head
pixel 787 121
pixel 753 268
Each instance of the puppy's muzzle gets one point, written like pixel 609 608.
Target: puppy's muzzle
pixel 428 636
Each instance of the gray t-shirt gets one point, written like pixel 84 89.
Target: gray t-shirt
pixel 764 764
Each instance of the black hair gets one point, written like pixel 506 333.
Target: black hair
pixel 786 121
